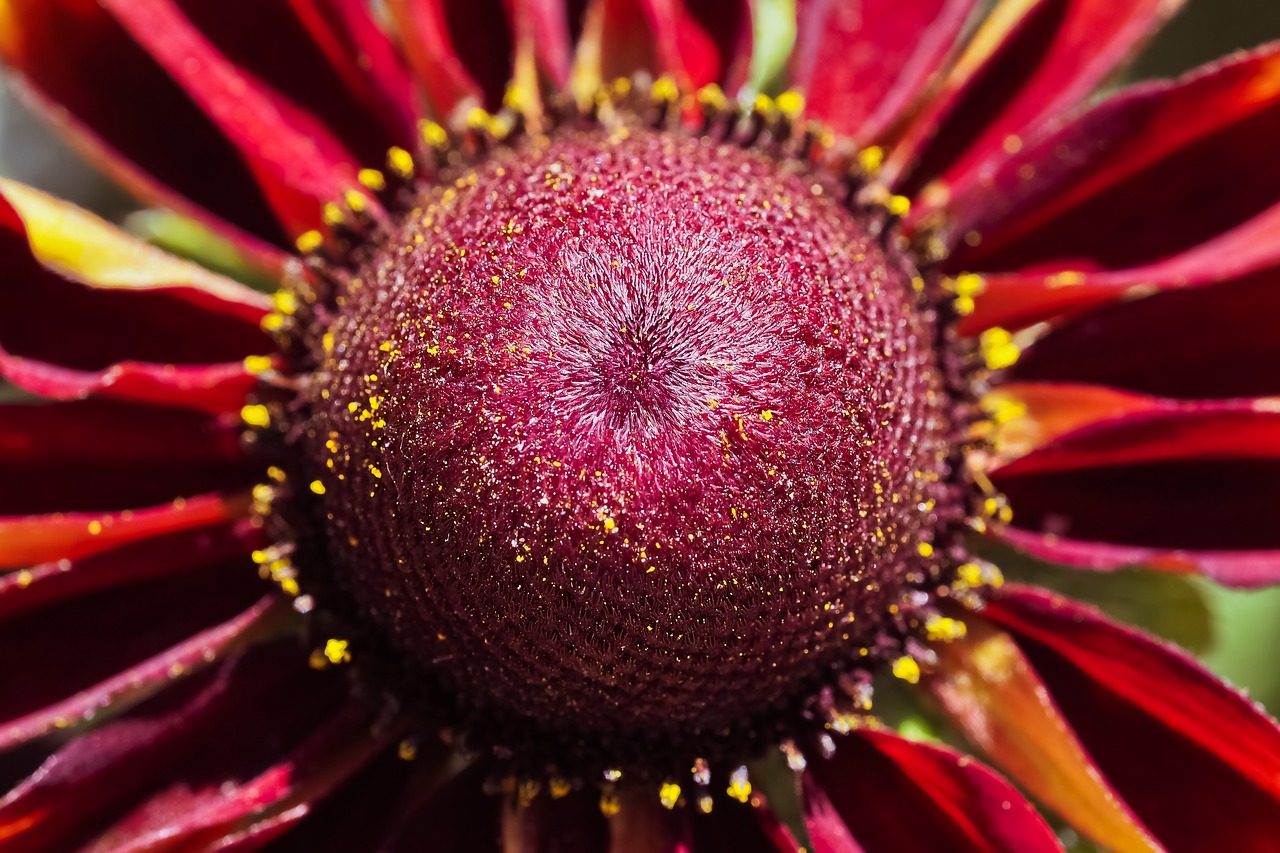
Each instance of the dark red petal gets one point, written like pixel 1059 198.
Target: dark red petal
pixel 459 51
pixel 984 682
pixel 120 108
pixel 108 769
pixel 862 65
pixel 1163 431
pixel 895 794
pixel 1232 568
pixel 1177 506
pixel 455 814
pixel 1206 342
pixel 546 24
pixel 69 660
pixel 103 456
pixel 28 540
pixel 326 56
pixel 297 162
pixel 249 796
pixel 702 41
pixel 1197 761
pixel 568 824
pixel 1030 61
pixel 1192 154
pixel 734 827
pixel 162 556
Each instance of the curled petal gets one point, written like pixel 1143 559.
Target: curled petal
pixel 986 685
pixel 862 65
pixel 895 794
pixel 1163 729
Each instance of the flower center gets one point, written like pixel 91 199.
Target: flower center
pixel 631 441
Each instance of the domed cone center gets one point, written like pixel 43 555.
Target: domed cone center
pixel 630 439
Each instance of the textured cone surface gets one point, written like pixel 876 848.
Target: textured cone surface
pixel 629 439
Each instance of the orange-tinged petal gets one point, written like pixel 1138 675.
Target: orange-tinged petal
pixel 25 541
pixel 986 685
pixel 1029 415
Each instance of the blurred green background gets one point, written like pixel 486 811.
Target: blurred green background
pixel 1238 633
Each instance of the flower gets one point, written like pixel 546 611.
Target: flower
pixel 619 459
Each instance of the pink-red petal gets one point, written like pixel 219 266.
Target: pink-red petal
pixel 1196 760
pixel 895 795
pixel 460 52
pixel 862 65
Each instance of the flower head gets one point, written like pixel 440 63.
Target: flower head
pixel 624 454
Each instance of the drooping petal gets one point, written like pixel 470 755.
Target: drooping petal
pixel 298 163
pixel 461 52
pixel 103 456
pixel 1231 568
pixel 162 556
pixel 108 769
pixel 123 111
pixel 28 540
pixel 1197 761
pixel 1191 154
pixel 985 684
pixel 58 667
pixel 1201 342
pixel 1030 60
pixel 242 803
pixel 861 65
pixel 895 794
pixel 326 56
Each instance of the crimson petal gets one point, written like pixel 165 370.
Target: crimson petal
pixel 895 794
pixel 861 65
pixel 460 52
pixel 78 63
pixel 1142 345
pixel 100 456
pixel 109 768
pixel 27 540
pixel 1031 60
pixel 1190 153
pixel 1163 729
pixel 702 41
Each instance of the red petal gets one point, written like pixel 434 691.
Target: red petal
pixel 895 795
pixel 702 41
pixel 1143 345
pixel 1031 60
pixel 159 557
pixel 742 828
pixel 569 824
pixel 1162 728
pixel 297 162
pixel 1233 568
pixel 861 65
pixel 459 51
pixel 121 109
pixel 1192 155
pixel 546 24
pixel 455 814
pixel 25 541
pixel 108 769
pixel 1161 431
pixel 326 56
pixel 995 697
pixel 67 663
pixel 220 806
pixel 100 456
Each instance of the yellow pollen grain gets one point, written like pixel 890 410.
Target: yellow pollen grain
pixel 610 805
pixel 255 415
pixel 944 629
pixel 739 785
pixel 373 179
pixel 317 487
pixel 336 651
pixel 95 527
pixel 309 241
pixel 375 471
pixel 256 364
pixel 272 322
pixel 871 159
pixel 766 415
pixel 790 104
pixel 998 348
pixel 400 162
pixel 907 669
pixel 898 205
pixel 669 795
pixel 925 549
